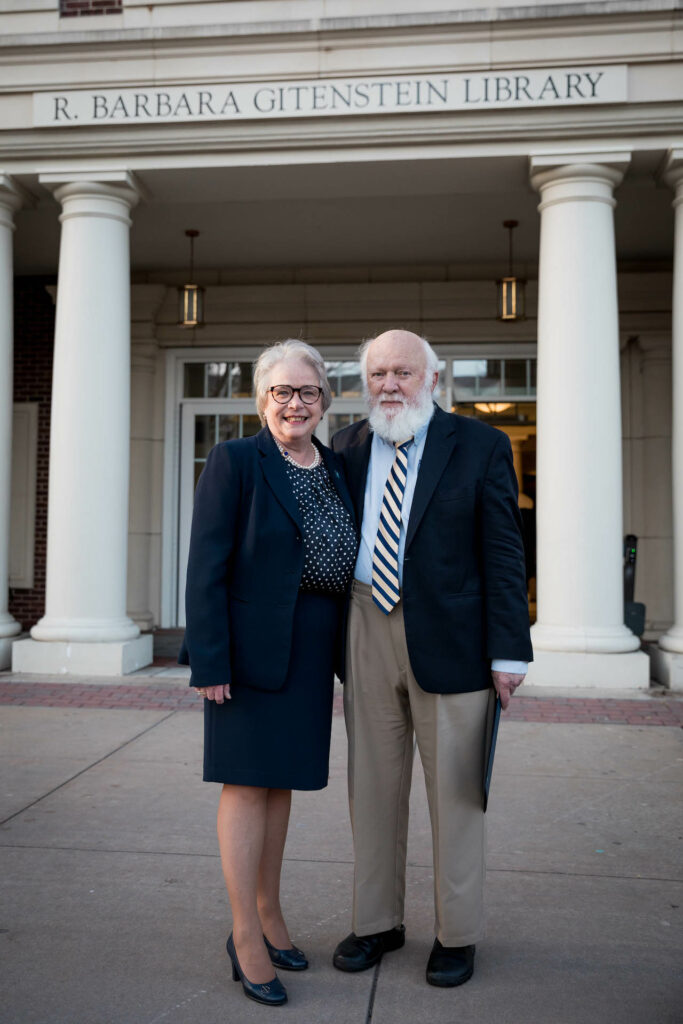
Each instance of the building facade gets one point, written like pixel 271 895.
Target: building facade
pixel 346 172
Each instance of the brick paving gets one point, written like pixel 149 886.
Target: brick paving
pixel 158 697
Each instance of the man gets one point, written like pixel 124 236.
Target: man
pixel 438 599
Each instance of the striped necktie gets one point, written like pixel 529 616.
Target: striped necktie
pixel 385 591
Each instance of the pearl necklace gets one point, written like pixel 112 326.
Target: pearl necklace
pixel 285 455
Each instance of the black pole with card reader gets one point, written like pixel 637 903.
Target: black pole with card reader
pixel 634 611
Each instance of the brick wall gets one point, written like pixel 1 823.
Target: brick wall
pixel 34 324
pixel 80 8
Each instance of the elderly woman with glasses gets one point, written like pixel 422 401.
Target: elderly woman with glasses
pixel 272 553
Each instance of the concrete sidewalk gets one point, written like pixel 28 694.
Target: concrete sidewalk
pixel 114 910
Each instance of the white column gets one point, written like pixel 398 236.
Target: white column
pixel 669 658
pixel 9 203
pixel 85 627
pixel 580 638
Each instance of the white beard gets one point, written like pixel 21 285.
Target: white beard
pixel 405 423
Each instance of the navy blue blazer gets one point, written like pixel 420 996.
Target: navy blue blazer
pixel 464 581
pixel 245 565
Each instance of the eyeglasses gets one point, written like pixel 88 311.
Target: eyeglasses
pixel 283 393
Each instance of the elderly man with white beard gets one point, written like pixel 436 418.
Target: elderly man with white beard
pixel 438 623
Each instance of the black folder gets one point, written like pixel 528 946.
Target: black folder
pixel 492 736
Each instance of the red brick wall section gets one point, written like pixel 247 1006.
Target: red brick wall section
pixel 81 8
pixel 34 325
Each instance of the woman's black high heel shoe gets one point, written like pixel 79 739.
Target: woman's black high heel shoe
pixel 287 959
pixel 272 993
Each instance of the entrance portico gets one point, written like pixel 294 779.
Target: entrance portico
pixel 333 220
pixel 579 634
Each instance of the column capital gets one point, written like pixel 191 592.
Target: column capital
pixel 94 193
pixel 671 171
pixel 10 194
pixel 12 197
pixel 579 171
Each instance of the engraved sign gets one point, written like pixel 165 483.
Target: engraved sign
pixel 339 97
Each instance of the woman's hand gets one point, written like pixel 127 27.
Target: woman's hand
pixel 217 693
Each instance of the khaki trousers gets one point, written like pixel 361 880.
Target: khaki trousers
pixel 383 707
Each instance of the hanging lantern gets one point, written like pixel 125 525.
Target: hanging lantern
pixel 511 288
pixel 191 295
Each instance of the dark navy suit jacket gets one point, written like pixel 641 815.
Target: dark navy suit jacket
pixel 464 582
pixel 245 565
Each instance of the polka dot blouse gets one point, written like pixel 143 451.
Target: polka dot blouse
pixel 330 541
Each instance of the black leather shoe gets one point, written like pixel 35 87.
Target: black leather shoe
pixel 287 959
pixel 358 952
pixel 272 993
pixel 449 966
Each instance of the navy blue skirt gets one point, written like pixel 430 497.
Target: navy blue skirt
pixel 280 739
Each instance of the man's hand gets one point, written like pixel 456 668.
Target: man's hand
pixel 506 683
pixel 217 693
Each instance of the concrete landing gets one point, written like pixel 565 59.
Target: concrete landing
pixel 114 910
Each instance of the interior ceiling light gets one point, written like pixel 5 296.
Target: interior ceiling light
pixel 493 407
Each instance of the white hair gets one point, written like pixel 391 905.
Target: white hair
pixel 431 358
pixel 291 348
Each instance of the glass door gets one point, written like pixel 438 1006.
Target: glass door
pixel 204 424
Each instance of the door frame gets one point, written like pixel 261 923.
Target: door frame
pixel 174 401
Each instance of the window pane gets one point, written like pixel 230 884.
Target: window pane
pixel 240 380
pixel 194 380
pixel 526 412
pixel 515 377
pixel 228 427
pixel 251 425
pixel 440 389
pixel 499 412
pixel 532 375
pixel 204 435
pixel 344 378
pixel 466 375
pixel 489 382
pixel 217 380
pixel 338 420
pixel 333 376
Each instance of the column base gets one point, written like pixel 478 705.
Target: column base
pixel 587 640
pixel 143 620
pixel 58 657
pixel 6 645
pixel 570 670
pixel 672 640
pixel 667 667
pixel 9 625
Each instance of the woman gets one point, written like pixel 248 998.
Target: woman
pixel 271 556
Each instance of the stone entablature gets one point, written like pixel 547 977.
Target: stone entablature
pixel 273 16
